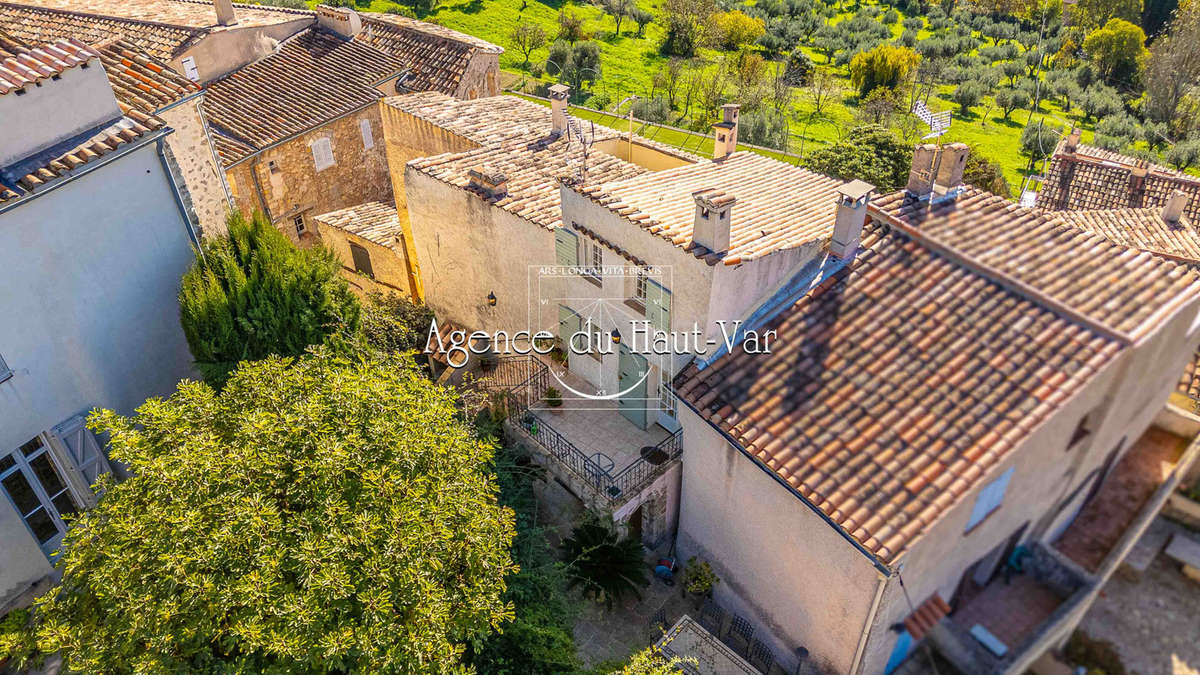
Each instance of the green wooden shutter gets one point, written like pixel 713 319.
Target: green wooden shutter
pixel 569 323
pixel 658 305
pixel 566 247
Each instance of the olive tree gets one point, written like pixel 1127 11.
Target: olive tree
pixel 326 514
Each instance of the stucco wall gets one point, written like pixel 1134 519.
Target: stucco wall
pixel 781 566
pixel 54 110
pixel 201 180
pixel 358 175
pixel 229 48
pixel 468 249
pixel 90 314
pixel 387 263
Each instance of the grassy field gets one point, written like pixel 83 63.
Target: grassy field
pixel 628 63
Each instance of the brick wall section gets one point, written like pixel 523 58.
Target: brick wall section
pixel 296 188
pixel 387 263
pixel 191 159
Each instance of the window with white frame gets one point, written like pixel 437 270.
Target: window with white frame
pixel 592 259
pixel 638 293
pixel 322 151
pixel 990 498
pixel 298 223
pixel 368 138
pixel 37 487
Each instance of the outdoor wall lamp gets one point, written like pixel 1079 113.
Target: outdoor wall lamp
pixel 492 299
pixel 616 337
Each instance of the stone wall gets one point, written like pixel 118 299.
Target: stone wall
pixel 285 180
pixel 387 263
pixel 193 163
pixel 481 78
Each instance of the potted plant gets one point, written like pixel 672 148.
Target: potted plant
pixel 699 580
pixel 553 399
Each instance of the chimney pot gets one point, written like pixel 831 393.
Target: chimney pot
pixel 491 182
pixel 713 218
pixel 1072 143
pixel 853 198
pixel 725 132
pixel 341 20
pixel 560 94
pixel 1173 210
pixel 225 14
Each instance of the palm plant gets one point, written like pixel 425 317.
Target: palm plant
pixel 602 562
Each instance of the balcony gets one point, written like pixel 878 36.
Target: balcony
pixel 604 459
pixel 1004 625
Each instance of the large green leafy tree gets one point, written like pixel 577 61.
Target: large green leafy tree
pixel 323 515
pixel 253 294
pixel 869 152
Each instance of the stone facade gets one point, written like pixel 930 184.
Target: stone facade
pixel 283 181
pixel 202 183
pixel 389 268
pixel 481 78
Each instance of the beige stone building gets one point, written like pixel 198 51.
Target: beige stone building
pixel 370 242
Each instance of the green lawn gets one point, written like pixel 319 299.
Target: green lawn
pixel 628 63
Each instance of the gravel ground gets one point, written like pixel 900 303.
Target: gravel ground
pixel 1154 622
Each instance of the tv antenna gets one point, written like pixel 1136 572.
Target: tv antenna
pixel 585 141
pixel 938 123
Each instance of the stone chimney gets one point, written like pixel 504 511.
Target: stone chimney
pixel 225 14
pixel 711 229
pixel 488 181
pixel 559 95
pixel 66 94
pixel 951 165
pixel 341 20
pixel 936 169
pixel 1173 210
pixel 921 175
pixel 852 201
pixel 1072 143
pixel 725 132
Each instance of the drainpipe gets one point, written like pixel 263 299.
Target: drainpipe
pixel 262 197
pixel 160 147
pixel 880 585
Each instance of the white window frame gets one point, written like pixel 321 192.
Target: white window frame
pixel 298 223
pixel 368 138
pixel 23 463
pixel 322 152
pixel 990 498
pixel 591 258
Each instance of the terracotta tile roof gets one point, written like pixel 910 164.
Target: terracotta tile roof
pixel 896 384
pixel 483 120
pixel 1189 381
pixel 926 616
pixel 779 206
pixel 1118 289
pixel 36 25
pixel 1143 229
pixel 1094 178
pixel 532 169
pixel 139 79
pixel 314 77
pixel 133 125
pixel 374 221
pixel 434 56
pixel 22 67
pixel 184 13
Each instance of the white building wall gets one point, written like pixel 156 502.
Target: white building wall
pixel 89 315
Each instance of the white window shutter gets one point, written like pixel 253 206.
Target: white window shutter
pixel 189 69
pixel 658 305
pixel 368 139
pixel 566 247
pixel 990 498
pixel 82 451
pixel 322 152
